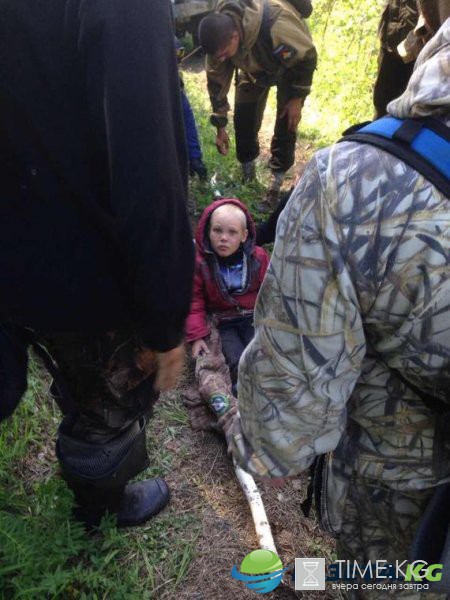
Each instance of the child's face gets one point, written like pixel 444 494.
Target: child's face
pixel 226 233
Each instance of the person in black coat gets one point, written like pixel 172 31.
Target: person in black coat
pixel 96 252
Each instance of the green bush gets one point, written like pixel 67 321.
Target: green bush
pixel 44 552
pixel 345 35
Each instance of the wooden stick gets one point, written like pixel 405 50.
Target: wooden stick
pixel 262 527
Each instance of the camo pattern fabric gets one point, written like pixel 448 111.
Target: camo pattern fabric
pixel 212 382
pixel 358 288
pixel 109 377
pixel 373 512
pixel 398 19
pixel 422 98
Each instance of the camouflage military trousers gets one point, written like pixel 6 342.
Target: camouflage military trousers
pixel 379 523
pixel 107 378
pixel 211 392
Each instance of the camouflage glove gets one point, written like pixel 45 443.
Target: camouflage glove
pixel 197 166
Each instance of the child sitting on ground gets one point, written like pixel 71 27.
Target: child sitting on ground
pixel 228 274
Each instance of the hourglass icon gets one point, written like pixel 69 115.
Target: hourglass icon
pixel 310 580
pixel 310 573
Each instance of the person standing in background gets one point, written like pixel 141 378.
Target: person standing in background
pixel 267 43
pixel 402 33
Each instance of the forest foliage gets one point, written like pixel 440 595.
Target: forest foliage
pixel 345 35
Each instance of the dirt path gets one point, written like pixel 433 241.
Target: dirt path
pixel 204 485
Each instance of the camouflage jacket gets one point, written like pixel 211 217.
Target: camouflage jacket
pixel 358 289
pixel 289 56
pixel 399 18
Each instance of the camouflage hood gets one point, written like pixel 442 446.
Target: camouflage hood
pixel 422 96
pixel 247 14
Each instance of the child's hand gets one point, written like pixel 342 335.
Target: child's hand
pixel 199 347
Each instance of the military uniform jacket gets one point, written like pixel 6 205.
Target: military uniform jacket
pixel 289 55
pixel 398 19
pixel 357 290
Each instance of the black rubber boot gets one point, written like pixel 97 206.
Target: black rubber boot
pixel 98 475
pixel 142 500
pixel 135 504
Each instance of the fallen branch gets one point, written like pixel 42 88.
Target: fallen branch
pixel 262 527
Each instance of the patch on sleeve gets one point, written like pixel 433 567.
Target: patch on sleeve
pixel 284 52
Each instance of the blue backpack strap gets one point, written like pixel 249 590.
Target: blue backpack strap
pixel 424 144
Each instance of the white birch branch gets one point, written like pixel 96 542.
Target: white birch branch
pixel 262 527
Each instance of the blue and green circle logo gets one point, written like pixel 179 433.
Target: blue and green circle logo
pixel 261 571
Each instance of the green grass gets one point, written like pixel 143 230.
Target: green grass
pixel 44 553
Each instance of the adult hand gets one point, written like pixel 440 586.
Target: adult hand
pixel 199 347
pixel 293 112
pixel 222 140
pixel 228 423
pixel 170 365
